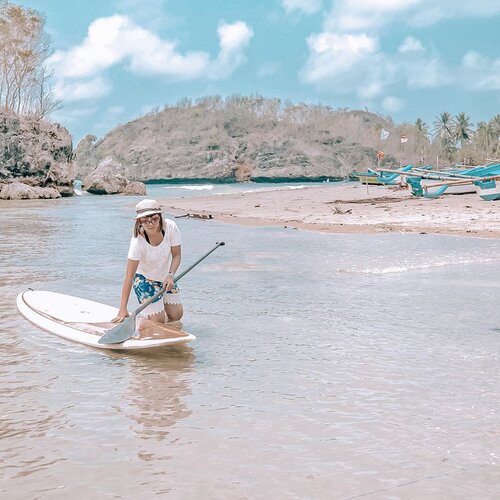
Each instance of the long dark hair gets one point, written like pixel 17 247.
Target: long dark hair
pixel 139 230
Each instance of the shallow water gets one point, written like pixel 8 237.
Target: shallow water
pixel 326 366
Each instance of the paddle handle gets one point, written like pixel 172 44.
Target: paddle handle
pixel 176 279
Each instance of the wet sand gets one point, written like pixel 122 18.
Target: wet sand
pixel 347 208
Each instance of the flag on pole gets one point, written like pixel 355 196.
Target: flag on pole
pixel 384 134
pixel 380 155
pixel 404 138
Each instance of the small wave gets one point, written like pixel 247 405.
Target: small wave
pixel 281 188
pixel 424 266
pixel 79 192
pixel 204 187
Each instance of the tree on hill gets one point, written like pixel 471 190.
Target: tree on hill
pixel 24 48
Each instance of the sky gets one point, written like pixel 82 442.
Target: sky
pixel 116 60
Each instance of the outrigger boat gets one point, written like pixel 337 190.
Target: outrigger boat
pixel 489 189
pixel 421 182
pixel 383 177
pixel 369 177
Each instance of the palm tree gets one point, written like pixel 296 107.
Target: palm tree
pixel 443 130
pixel 422 132
pixel 483 136
pixel 495 133
pixel 495 123
pixel 462 128
pixel 422 128
pixel 443 126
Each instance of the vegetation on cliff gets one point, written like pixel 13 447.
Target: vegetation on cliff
pixel 238 138
pixel 241 138
pixel 35 154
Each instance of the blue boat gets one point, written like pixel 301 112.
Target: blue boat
pixel 384 177
pixel 391 179
pixel 489 189
pixel 459 182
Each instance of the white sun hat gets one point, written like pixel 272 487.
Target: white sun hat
pixel 147 207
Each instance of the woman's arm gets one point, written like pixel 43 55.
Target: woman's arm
pixel 126 288
pixel 174 265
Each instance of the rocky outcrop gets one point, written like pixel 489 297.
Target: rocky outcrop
pixel 20 191
pixel 85 155
pixel 238 142
pixel 106 179
pixel 36 154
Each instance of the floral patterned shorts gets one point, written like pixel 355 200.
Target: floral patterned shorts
pixel 145 288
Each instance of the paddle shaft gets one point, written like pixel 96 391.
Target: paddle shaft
pixel 176 279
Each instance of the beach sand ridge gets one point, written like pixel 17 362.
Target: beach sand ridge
pixel 347 208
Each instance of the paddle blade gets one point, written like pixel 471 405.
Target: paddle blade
pixel 120 333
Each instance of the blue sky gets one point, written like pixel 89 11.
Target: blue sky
pixel 115 60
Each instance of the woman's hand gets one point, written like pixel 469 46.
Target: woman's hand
pixel 121 316
pixel 169 282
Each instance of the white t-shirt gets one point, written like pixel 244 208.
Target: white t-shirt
pixel 154 262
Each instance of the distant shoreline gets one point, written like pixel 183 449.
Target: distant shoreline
pixel 256 180
pixel 347 208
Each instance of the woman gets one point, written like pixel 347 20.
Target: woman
pixel 153 259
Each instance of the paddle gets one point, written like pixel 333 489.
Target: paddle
pixel 126 329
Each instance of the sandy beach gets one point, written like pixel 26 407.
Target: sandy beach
pixel 347 208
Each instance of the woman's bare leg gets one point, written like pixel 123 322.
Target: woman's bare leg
pixel 173 312
pixel 145 323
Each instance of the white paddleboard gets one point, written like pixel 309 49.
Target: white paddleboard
pixel 85 321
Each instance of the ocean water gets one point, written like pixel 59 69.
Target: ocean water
pixel 325 366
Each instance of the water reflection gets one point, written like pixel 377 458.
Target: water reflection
pixel 158 384
pixel 25 414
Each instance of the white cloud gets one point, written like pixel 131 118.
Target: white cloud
pixel 82 89
pixel 118 40
pixel 351 63
pixel 431 12
pixel 233 38
pixel 333 55
pixel 480 72
pixel 411 44
pixel 392 104
pixel 306 6
pixel 362 15
pixel 101 48
pixel 346 58
pixel 370 90
pixel 426 71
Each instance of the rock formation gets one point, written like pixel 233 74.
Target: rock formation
pixel 20 191
pixel 238 141
pixel 106 179
pixel 35 158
